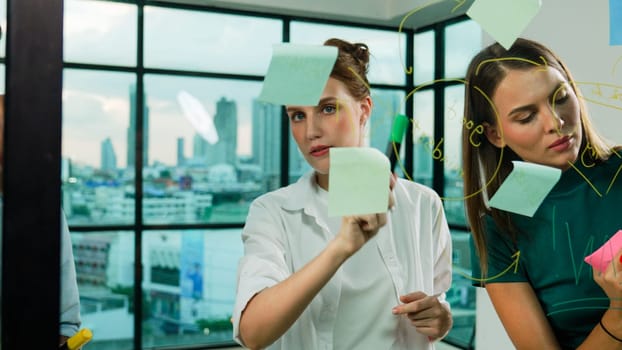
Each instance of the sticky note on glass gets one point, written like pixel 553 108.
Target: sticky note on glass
pixel 359 181
pixel 525 188
pixel 297 74
pixel 601 258
pixel 504 20
pixel 615 22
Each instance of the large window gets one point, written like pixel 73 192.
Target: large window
pixel 165 146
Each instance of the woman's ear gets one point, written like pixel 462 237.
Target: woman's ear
pixel 366 106
pixel 494 135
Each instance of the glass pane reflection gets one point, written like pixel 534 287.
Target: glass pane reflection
pixel 190 178
pixel 189 285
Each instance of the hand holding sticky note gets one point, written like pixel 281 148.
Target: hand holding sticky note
pixel 603 256
pixel 298 74
pixel 525 188
pixel 359 181
pixel 504 20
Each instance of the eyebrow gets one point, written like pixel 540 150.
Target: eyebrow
pixel 531 106
pixel 321 102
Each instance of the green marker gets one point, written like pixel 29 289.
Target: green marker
pixel 397 135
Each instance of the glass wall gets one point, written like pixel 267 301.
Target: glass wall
pixel 441 55
pixel 184 82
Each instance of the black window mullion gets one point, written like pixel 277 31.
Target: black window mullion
pixel 438 177
pixel 138 177
pixel 284 180
pixel 410 103
pixel 31 237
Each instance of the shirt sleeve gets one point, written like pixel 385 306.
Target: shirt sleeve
pixel 70 299
pixel 264 262
pixel 503 265
pixel 442 264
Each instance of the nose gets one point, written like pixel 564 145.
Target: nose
pixel 553 122
pixel 314 129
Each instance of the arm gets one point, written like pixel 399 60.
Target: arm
pixel 532 330
pixel 529 331
pixel 270 313
pixel 611 282
pixel 70 299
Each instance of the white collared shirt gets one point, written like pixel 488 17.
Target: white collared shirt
pixel 285 230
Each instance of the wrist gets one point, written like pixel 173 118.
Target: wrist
pixel 340 249
pixel 612 322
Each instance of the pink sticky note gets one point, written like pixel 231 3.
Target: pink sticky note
pixel 601 258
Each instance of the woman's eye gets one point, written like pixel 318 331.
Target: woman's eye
pixel 297 116
pixel 330 109
pixel 527 119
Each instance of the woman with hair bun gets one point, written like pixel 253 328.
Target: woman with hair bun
pixel 309 281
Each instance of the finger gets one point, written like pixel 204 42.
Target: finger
pixel 414 296
pixel 392 181
pixel 391 200
pixel 368 222
pixel 416 306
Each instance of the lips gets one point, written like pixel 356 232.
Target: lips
pixel 560 142
pixel 320 150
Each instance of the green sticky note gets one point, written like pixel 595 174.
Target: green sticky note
pixel 297 74
pixel 504 20
pixel 525 188
pixel 358 183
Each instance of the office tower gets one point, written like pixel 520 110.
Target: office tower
pixel 181 158
pixel 199 149
pixel 108 156
pixel 423 160
pixel 131 130
pixel 226 123
pixel 266 131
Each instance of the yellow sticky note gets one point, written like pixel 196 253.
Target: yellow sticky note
pixel 297 74
pixel 525 188
pixel 358 183
pixel 504 20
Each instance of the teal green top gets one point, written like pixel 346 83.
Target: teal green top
pixel 574 220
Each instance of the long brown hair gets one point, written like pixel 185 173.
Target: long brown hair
pixel 486 166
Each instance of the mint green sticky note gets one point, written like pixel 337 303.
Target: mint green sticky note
pixel 297 74
pixel 358 183
pixel 504 20
pixel 525 188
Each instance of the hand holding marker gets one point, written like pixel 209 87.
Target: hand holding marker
pixel 395 142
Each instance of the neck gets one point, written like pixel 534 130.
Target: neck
pixel 322 180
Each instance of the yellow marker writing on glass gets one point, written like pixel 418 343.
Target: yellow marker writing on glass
pixel 77 340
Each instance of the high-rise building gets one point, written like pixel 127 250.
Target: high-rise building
pixel 108 156
pixel 131 130
pixel 423 160
pixel 266 131
pixel 199 148
pixel 226 123
pixel 181 158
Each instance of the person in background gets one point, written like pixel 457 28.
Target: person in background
pixel 309 281
pixel 70 300
pixel 531 110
